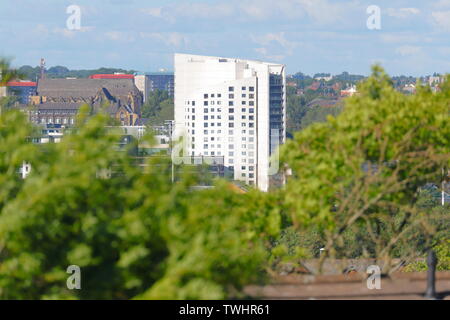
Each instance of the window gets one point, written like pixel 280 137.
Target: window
pixel 251 89
pixel 205 110
pixel 219 95
pixel 252 132
pixel 230 117
pixel 251 175
pixel 205 118
pixel 212 95
pixel 205 139
pixel 251 146
pixel 243 117
pixel 230 161
pixel 219 124
pixel 193 125
pixel 231 146
pixel 251 125
pixel 193 103
pixel 205 125
pixel 251 103
pixel 251 118
pixel 193 117
pixel 230 132
pixel 205 146
pixel 231 96
pixel 243 168
pixel 251 110
pixel 231 154
pixel 244 95
pixel 243 110
pixel 231 110
pixel 230 103
pixel 205 103
pixel 244 88
pixel 231 89
pixel 205 96
pixel 251 96
pixel 251 168
pixel 231 125
pixel 205 131
pixel 243 103
pixel 243 175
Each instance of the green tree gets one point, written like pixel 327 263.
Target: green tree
pixel 158 107
pixel 357 177
pixel 133 233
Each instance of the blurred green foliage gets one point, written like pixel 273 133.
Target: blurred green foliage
pixel 357 177
pixel 132 234
pixel 354 190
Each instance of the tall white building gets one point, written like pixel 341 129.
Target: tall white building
pixel 232 108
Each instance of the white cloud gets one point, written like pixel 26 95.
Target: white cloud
pixel 408 50
pixel 173 39
pixel 280 38
pixel 154 12
pixel 402 13
pixel 320 11
pixel 69 33
pixel 442 19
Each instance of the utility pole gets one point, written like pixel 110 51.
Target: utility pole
pixel 431 275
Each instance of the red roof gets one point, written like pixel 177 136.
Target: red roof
pixel 112 76
pixel 21 84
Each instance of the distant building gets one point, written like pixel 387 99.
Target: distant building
pixel 409 88
pixel 435 80
pixel 142 83
pixel 112 76
pixel 323 77
pixel 21 89
pixel 349 92
pixel 58 100
pixel 232 108
pixel 161 81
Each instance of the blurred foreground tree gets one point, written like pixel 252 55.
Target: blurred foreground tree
pixel 132 233
pixel 357 177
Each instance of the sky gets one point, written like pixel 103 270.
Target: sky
pixel 311 36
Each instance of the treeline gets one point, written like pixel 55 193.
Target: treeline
pixel 33 73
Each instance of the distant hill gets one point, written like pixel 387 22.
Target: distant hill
pixel 32 73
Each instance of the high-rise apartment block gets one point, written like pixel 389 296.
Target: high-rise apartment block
pixel 232 108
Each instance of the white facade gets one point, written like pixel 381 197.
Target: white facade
pixel 232 108
pixel 142 83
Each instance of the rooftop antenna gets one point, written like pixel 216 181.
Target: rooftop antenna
pixel 42 76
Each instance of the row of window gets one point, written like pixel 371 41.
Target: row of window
pixel 57 121
pixel 251 89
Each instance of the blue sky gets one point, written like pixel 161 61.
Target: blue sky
pixel 307 35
